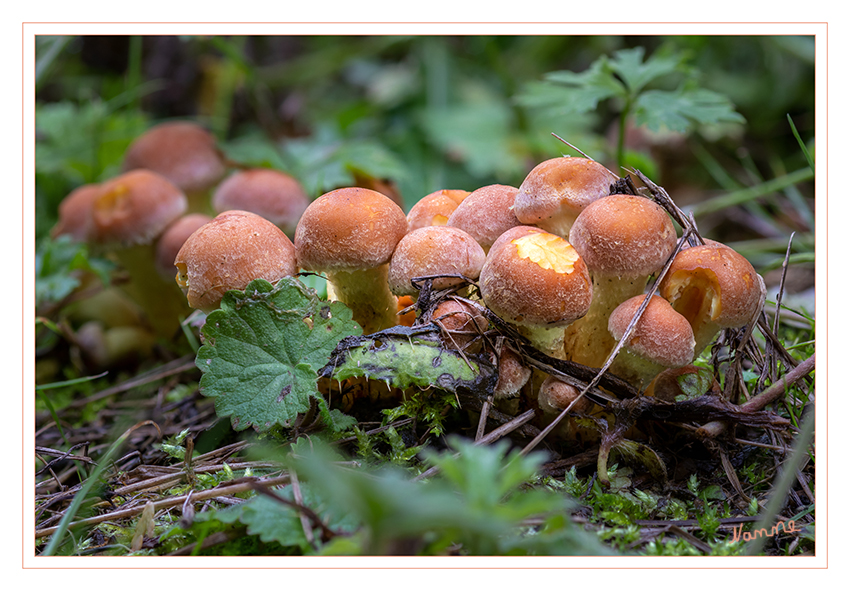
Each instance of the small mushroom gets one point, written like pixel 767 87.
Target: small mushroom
pixel 557 190
pixel 662 338
pixel 272 194
pixel 128 214
pixel 513 375
pixel 461 325
pixel 229 252
pixel 172 240
pixel 714 287
pixel 434 208
pixel 486 214
pixel 75 213
pixel 623 239
pixel 536 281
pixel 350 234
pixel 434 250
pixel 183 152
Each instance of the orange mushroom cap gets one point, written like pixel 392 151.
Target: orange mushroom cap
pixel 272 194
pixel 557 190
pixel 228 253
pixel 181 151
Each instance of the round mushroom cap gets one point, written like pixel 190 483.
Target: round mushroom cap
pixel 349 229
pixel 624 236
pixel 557 190
pixel 135 208
pixel 229 252
pixel 713 282
pixel 662 335
pixel 434 208
pixel 173 238
pixel 183 152
pixel 459 322
pixel 534 278
pixel 555 395
pixel 75 214
pixel 434 250
pixel 513 375
pixel 272 194
pixel 486 214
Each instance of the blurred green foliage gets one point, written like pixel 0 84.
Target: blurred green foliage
pixel 423 112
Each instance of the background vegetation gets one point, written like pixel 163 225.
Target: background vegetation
pixel 417 114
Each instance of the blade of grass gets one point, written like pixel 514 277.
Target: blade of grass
pixel 783 484
pixel 754 192
pixel 800 141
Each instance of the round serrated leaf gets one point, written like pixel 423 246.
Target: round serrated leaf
pixel 263 348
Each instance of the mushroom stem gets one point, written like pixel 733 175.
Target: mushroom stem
pixel 367 293
pixel 635 369
pixel 587 340
pixel 161 300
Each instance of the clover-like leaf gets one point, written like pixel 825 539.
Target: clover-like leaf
pixel 263 348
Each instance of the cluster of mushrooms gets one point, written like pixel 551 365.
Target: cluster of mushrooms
pixel 559 258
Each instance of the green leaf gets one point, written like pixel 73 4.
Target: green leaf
pixel 55 261
pixel 637 74
pixel 683 109
pixel 694 385
pixel 404 357
pixel 581 92
pixel 262 350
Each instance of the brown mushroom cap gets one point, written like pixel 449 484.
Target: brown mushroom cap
pixel 135 208
pixel 714 283
pixel 486 214
pixel 349 229
pixel 557 190
pixel 75 213
pixel 228 253
pixel 623 236
pixel 513 375
pixel 272 194
pixel 434 250
pixel 661 336
pixel 434 208
pixel 534 278
pixel 173 238
pixel 555 395
pixel 182 151
pixel 460 324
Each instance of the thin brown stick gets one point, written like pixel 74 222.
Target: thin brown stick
pixel 237 486
pixel 774 392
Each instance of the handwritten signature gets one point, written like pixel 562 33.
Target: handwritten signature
pixel 739 533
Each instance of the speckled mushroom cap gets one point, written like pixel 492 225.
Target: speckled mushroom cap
pixel 182 151
pixel 715 283
pixel 75 213
pixel 534 278
pixel 272 194
pixel 623 236
pixel 557 190
pixel 555 395
pixel 662 335
pixel 434 250
pixel 434 208
pixel 349 229
pixel 135 208
pixel 172 239
pixel 460 324
pixel 513 375
pixel 486 214
pixel 227 253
